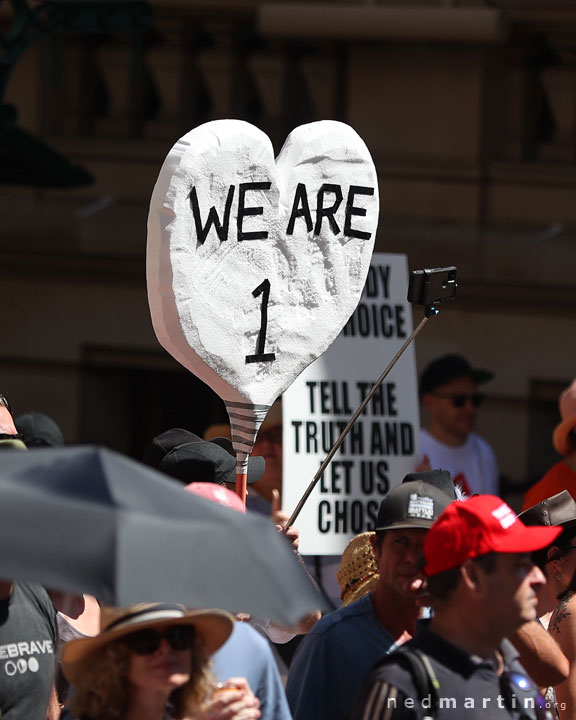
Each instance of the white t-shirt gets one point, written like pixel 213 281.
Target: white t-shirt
pixel 473 465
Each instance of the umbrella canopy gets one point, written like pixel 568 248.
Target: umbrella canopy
pixel 87 519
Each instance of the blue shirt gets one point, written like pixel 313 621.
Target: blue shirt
pixel 334 660
pixel 247 654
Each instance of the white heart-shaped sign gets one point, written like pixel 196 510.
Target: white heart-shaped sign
pixel 255 265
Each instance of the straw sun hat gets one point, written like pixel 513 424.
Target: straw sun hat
pixel 213 627
pixel 358 572
pixel 567 407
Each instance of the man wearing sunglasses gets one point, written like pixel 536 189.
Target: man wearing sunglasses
pixel 483 586
pixel 449 393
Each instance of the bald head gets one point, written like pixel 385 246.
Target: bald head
pixel 7 426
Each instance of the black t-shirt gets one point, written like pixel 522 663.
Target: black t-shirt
pixel 469 687
pixel 28 642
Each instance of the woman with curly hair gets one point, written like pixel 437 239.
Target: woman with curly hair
pixel 151 662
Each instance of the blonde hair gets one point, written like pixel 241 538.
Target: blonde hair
pixel 102 691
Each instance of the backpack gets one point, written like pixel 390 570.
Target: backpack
pixel 425 681
pixel 420 668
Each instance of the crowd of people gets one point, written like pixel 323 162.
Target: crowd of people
pixel 452 606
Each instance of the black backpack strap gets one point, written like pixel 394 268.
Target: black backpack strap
pixel 420 668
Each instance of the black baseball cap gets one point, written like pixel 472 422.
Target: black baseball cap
pixel 450 367
pixel 186 457
pixel 414 504
pixel 439 478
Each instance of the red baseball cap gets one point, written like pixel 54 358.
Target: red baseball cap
pixel 478 526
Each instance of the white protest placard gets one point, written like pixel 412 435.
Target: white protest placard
pixel 255 264
pixel 383 444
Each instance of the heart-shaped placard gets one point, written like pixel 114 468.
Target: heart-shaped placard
pixel 254 266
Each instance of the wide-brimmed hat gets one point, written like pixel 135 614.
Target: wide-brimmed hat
pixel 163 443
pixel 186 457
pixel 357 573
pixel 567 407
pixel 213 627
pixel 447 368
pixel 477 526
pixel 411 505
pixel 558 510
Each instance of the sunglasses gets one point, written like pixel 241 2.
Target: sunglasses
pixel 520 692
pixel 146 642
pixel 460 399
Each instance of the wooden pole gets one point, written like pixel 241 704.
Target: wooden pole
pixel 241 486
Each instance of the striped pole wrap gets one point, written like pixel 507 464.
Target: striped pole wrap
pixel 245 421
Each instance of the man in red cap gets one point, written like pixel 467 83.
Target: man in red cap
pixel 482 585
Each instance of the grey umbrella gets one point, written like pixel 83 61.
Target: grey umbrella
pixel 87 519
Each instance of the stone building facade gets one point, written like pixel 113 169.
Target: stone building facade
pixel 468 108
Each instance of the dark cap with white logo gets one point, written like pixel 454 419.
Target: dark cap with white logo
pixel 413 504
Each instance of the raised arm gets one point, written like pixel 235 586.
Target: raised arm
pixel 540 654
